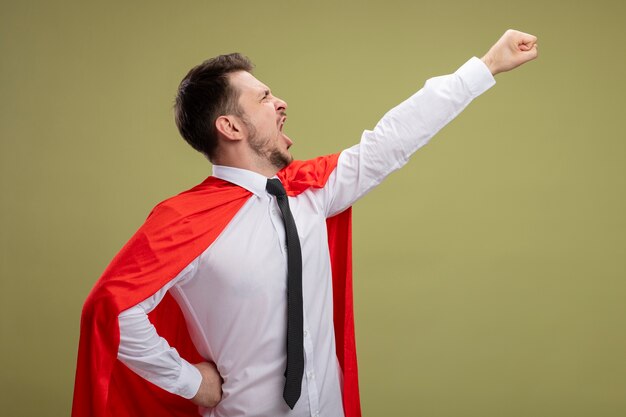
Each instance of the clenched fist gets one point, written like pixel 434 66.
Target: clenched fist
pixel 513 49
pixel 210 391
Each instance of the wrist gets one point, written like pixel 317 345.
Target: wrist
pixel 488 60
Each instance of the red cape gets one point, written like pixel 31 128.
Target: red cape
pixel 176 232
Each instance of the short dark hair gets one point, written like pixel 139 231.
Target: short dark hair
pixel 205 94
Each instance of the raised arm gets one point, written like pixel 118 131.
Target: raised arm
pixel 410 125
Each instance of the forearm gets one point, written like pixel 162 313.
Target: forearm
pixel 410 125
pixel 404 129
pixel 151 357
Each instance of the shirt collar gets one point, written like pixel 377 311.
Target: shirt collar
pixel 251 181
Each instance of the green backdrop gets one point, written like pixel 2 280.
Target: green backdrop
pixel 495 288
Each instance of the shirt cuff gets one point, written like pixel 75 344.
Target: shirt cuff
pixel 188 381
pixel 476 76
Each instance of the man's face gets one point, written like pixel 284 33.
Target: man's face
pixel 264 116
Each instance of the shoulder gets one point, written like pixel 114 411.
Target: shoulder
pixel 212 192
pixel 299 176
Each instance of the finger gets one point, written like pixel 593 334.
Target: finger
pixel 530 54
pixel 521 38
pixel 528 40
pixel 526 37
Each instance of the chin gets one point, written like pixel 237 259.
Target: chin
pixel 280 160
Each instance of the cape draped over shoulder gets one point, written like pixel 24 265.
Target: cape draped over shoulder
pixel 176 232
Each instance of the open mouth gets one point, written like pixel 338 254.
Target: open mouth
pixel 281 123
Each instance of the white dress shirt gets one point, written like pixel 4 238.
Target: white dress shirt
pixel 233 295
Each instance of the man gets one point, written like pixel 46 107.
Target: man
pixel 256 258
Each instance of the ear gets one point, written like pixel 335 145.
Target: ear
pixel 230 127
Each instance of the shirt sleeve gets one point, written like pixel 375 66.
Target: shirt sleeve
pixel 151 356
pixel 402 131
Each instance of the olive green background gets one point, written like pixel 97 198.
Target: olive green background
pixel 494 287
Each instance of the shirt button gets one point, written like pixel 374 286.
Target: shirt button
pixel 311 375
pixel 306 333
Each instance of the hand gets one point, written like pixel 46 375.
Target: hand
pixel 210 392
pixel 513 49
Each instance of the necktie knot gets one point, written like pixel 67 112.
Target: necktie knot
pixel 275 187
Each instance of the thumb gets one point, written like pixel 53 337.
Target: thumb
pixel 525 41
pixel 527 53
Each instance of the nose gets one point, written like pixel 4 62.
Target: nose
pixel 281 105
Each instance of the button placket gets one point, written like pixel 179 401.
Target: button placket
pixel 309 371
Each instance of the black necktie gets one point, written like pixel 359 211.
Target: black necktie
pixel 295 350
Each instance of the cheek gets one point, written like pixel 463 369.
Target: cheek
pixel 265 120
pixel 269 124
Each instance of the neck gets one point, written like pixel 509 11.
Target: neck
pixel 258 165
